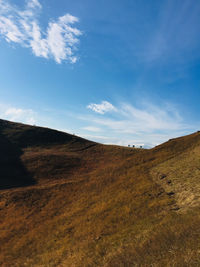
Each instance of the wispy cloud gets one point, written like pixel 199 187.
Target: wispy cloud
pixel 91 129
pixel 17 114
pixel 149 124
pixel 22 27
pixel 102 108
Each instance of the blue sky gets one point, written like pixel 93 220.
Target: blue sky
pixel 117 72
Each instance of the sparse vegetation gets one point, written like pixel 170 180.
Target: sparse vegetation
pixel 85 204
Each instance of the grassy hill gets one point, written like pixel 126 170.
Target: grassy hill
pixel 67 201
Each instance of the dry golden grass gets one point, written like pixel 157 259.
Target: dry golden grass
pixel 181 175
pixel 96 205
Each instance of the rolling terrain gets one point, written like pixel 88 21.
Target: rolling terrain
pixel 67 201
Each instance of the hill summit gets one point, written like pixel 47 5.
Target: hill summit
pixel 68 201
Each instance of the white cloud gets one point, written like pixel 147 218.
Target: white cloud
pixel 34 4
pixel 59 34
pixel 17 114
pixel 133 120
pixel 147 125
pixel 21 26
pixel 10 31
pixel 102 108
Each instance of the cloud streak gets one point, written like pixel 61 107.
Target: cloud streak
pixel 21 26
pixel 92 129
pixel 148 125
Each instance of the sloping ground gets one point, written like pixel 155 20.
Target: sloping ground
pixel 181 176
pixel 96 205
pixel 29 154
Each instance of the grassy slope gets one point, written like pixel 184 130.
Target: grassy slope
pixel 96 205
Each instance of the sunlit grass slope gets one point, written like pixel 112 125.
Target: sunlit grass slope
pixel 66 201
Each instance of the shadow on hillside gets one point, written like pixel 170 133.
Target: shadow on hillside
pixel 12 171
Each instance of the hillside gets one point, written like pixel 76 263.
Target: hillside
pixel 36 152
pixel 67 201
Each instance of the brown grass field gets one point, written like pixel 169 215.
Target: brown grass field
pixel 67 201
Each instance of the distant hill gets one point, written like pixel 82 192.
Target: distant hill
pixel 24 151
pixel 24 136
pixel 67 201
